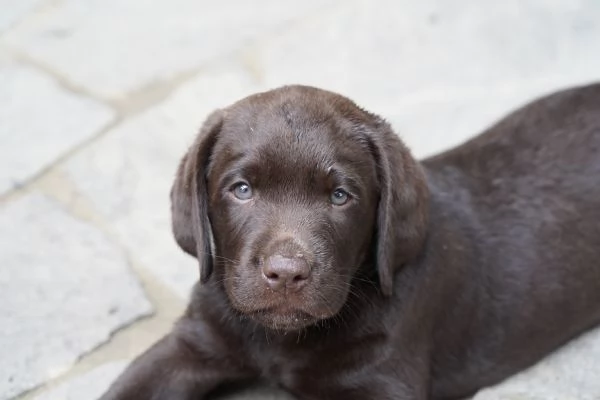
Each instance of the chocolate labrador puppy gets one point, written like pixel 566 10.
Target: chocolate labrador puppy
pixel 336 266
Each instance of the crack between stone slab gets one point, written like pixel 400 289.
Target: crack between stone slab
pixel 36 390
pixel 64 82
pixel 126 106
pixel 24 185
pixel 142 317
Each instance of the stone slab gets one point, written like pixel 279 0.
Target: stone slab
pixel 440 69
pixel 64 288
pixel 432 126
pixel 128 44
pixel 573 372
pixel 88 386
pixel 128 173
pixel 92 384
pixel 39 122
pixel 15 10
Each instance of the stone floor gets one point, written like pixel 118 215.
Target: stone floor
pixel 99 99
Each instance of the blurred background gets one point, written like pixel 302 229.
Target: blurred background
pixel 100 98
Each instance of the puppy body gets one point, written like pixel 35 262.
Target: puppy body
pixel 526 196
pixel 432 281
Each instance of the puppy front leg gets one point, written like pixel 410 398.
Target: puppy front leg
pixel 172 370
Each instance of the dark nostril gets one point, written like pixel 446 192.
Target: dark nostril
pixel 301 275
pixel 271 275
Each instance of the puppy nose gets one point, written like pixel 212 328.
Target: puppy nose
pixel 283 272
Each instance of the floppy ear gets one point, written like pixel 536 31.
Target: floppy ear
pixel 189 197
pixel 403 202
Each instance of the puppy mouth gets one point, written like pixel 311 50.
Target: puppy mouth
pixel 283 318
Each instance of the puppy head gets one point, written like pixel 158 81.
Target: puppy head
pixel 287 193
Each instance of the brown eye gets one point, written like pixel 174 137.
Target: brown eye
pixel 242 191
pixel 339 197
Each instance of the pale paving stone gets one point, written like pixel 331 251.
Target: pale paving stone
pixel 92 384
pixel 437 69
pixel 64 288
pixel 128 173
pixel 128 43
pixel 572 373
pixel 14 10
pixel 88 386
pixel 430 127
pixel 39 122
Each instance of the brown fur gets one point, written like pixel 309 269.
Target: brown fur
pixel 435 279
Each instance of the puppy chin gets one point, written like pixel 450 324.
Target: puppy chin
pixel 285 312
pixel 284 320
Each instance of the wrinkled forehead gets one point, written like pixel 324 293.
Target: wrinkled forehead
pixel 290 136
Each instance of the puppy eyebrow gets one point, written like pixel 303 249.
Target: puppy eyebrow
pixel 231 158
pixel 235 166
pixel 346 179
pixel 231 176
